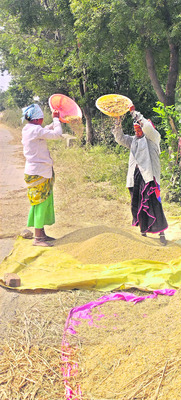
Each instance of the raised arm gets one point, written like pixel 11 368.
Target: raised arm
pixel 120 137
pixel 52 131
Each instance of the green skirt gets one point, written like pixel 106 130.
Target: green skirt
pixel 42 214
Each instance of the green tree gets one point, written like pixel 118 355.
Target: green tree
pixel 18 95
pixel 61 46
pixel 152 31
pixel 39 45
pixel 2 100
pixel 86 48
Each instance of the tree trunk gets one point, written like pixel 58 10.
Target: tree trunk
pixel 153 75
pixel 173 74
pixel 86 110
pixel 167 98
pixel 89 128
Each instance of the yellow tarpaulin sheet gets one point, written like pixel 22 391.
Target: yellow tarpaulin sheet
pixel 51 268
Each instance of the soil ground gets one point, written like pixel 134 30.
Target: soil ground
pixel 135 353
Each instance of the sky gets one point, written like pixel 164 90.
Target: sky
pixel 4 81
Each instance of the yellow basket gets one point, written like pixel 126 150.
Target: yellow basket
pixel 113 105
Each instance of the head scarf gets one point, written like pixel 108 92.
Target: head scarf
pixel 32 112
pixel 137 129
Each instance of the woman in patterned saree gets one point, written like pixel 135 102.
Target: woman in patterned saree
pixel 39 174
pixel 143 178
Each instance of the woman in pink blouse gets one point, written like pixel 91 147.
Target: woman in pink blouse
pixel 39 174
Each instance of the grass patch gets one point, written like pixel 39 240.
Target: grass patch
pixel 102 168
pixel 104 172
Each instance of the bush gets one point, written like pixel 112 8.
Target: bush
pixel 170 121
pixel 12 117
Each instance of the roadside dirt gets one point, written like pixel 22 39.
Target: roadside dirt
pixel 128 362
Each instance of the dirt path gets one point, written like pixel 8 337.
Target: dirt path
pixel 12 215
pixel 12 189
pixel 11 171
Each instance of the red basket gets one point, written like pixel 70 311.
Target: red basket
pixel 66 107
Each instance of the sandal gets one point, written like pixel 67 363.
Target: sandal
pixel 41 241
pixel 163 240
pixel 48 238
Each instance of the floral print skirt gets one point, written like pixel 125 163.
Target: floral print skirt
pixel 39 188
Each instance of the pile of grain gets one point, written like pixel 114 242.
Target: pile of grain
pixel 109 246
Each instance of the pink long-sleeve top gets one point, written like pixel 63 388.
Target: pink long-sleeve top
pixel 35 149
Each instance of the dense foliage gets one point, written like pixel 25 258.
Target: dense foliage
pixel 172 150
pixel 86 48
